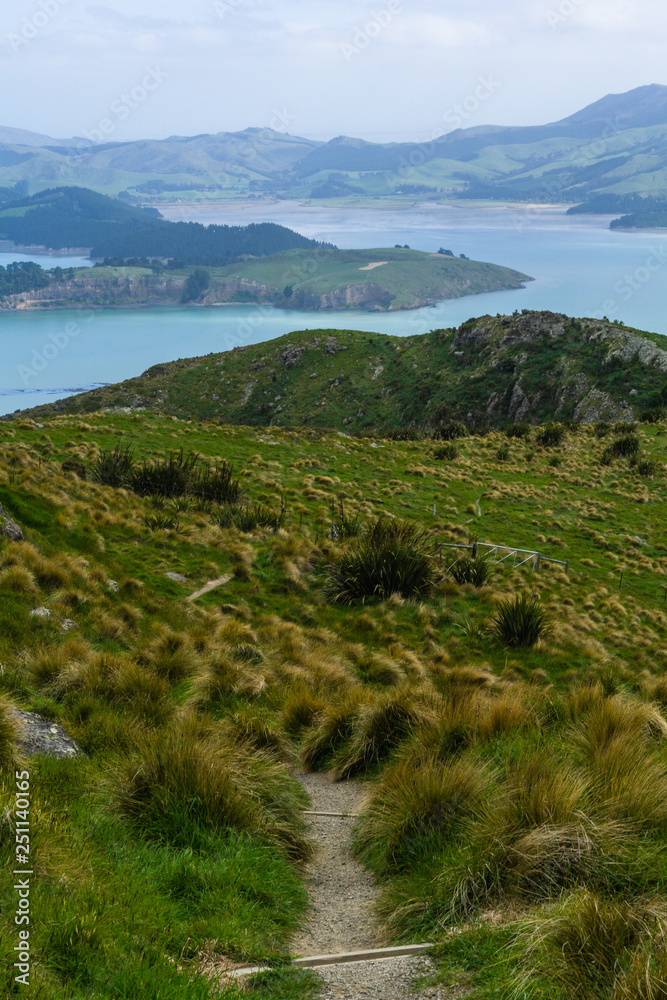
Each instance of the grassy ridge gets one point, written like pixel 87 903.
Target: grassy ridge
pixel 490 371
pixel 483 756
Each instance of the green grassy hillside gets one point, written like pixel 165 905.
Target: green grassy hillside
pixel 517 785
pixel 490 371
pixel 316 278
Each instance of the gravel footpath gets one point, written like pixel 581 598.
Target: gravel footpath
pixel 341 892
pixel 342 917
pixel 387 979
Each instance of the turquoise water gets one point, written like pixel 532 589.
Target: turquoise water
pixel 580 268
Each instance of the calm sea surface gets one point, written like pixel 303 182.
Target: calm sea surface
pixel 580 268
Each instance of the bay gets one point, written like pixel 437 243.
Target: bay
pixel 580 268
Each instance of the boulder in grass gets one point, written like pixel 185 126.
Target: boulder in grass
pixel 9 528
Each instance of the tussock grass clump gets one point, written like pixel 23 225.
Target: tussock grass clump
pixel 550 435
pixel 451 431
pixel 377 730
pixel 471 569
pixel 334 729
pixel 18 579
pixel 114 467
pixel 591 946
pixel 10 731
pixel 188 784
pixel 414 810
pixel 247 518
pixel 520 621
pixel 448 452
pixel 520 430
pixel 346 526
pixel 391 557
pixel 301 710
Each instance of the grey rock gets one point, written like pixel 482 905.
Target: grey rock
pixel 67 625
pixel 177 577
pixel 43 736
pixel 113 586
pixel 9 528
pixel 40 613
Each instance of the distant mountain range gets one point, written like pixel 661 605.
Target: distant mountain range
pixel 616 146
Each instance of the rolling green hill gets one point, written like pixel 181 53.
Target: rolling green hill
pixel 617 145
pixel 491 371
pixel 77 217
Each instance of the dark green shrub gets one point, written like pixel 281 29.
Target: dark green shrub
pixel 389 558
pixel 647 468
pixel 447 452
pixel 624 447
pixel 550 436
pixel 114 468
pixel 469 569
pixel 503 453
pixel 162 521
pixel 78 468
pixel 601 428
pixel 520 430
pixel 217 484
pixel 249 518
pixel 170 477
pixel 451 431
pixel 520 621
pixel 555 461
pixel 653 416
pixel 345 526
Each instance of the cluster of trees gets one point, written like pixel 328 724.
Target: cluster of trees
pixel 77 217
pixel 22 276
pixel 612 204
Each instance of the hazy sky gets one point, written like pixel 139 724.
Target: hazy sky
pixel 393 69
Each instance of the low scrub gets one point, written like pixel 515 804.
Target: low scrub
pixel 170 477
pixel 451 431
pixel 391 557
pixel 520 430
pixel 248 518
pixel 626 446
pixel 520 621
pixel 550 436
pixel 114 467
pixel 471 569
pixel 448 452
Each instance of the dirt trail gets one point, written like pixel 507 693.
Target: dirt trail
pixel 342 918
pixel 341 892
pixel 211 585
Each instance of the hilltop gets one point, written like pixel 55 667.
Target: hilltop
pixel 491 371
pixel 318 279
pixel 617 145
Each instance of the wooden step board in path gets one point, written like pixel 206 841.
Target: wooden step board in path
pixel 340 940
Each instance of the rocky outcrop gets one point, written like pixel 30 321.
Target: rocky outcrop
pixel 9 528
